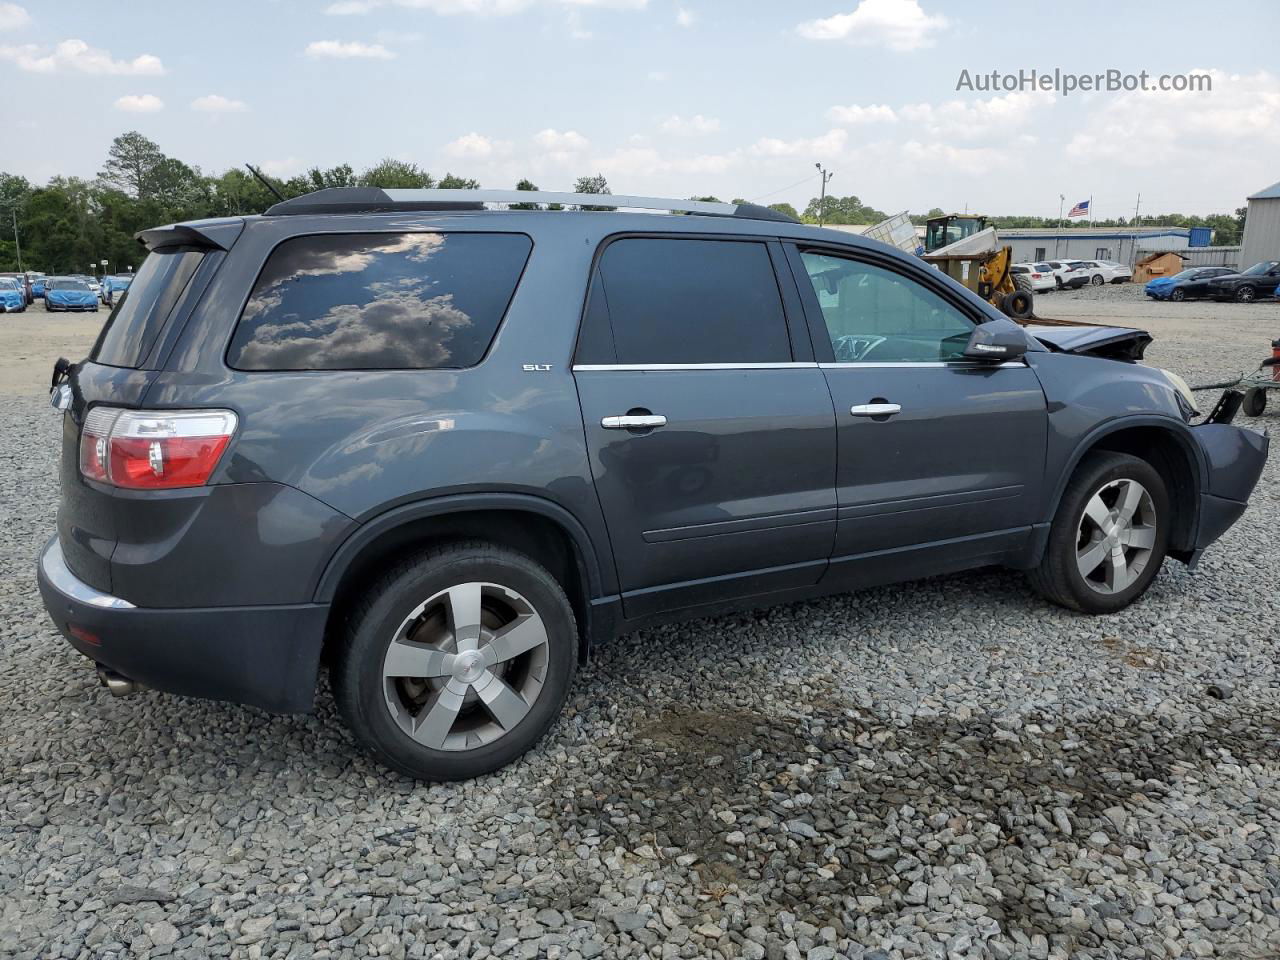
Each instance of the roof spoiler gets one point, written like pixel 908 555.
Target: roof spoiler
pixel 377 200
pixel 217 234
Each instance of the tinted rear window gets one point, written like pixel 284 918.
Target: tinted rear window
pixel 140 315
pixel 379 301
pixel 693 301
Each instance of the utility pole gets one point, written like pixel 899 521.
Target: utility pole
pixel 822 197
pixel 16 245
pixel 1062 197
pixel 1136 207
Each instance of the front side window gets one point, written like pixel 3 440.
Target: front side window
pixel 674 300
pixel 379 301
pixel 874 315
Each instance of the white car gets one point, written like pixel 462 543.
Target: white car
pixel 1067 273
pixel 1039 274
pixel 1104 271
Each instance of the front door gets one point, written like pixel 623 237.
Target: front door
pixel 940 458
pixel 712 442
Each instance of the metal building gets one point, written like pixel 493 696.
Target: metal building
pixel 1122 244
pixel 1261 228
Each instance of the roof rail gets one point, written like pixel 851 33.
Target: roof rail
pixel 377 200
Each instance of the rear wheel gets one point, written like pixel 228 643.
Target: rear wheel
pixel 1255 402
pixel 1109 536
pixel 1018 304
pixel 457 662
pixel 1245 294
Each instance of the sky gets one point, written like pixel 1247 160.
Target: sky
pixel 667 97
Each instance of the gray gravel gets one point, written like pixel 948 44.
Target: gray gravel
pixel 942 769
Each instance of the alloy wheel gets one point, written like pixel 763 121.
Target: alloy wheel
pixel 466 666
pixel 1115 536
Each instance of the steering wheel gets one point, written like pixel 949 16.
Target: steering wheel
pixel 854 347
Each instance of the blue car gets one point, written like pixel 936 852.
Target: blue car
pixel 66 293
pixel 13 299
pixel 1190 284
pixel 113 285
pixel 37 287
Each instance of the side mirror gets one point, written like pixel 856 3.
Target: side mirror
pixel 996 340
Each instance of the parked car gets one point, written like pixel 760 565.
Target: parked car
pixel 1104 271
pixel 1189 284
pixel 37 286
pixel 1260 280
pixel 1068 274
pixel 113 285
pixel 68 293
pixel 21 282
pixel 369 433
pixel 1040 280
pixel 13 298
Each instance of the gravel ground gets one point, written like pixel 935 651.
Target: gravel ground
pixel 948 768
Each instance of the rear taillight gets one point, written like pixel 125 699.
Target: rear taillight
pixel 153 449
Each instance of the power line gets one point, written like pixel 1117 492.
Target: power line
pixel 774 193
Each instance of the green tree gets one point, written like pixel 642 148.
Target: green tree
pixel 60 227
pixel 527 185
pixel 392 174
pixel 787 209
pixel 596 184
pixel 132 160
pixel 14 193
pixel 450 182
pixel 841 210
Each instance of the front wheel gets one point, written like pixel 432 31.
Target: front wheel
pixel 1178 295
pixel 1245 295
pixel 457 661
pixel 1097 280
pixel 1255 402
pixel 1109 536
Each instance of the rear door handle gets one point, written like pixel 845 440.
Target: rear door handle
pixel 634 422
pixel 875 409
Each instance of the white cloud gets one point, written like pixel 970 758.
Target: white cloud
pixel 1239 118
pixel 977 119
pixel 697 124
pixel 830 143
pixel 347 50
pixel 478 8
pixel 78 55
pixel 897 24
pixel 476 146
pixel 685 17
pixel 285 168
pixel 854 114
pixel 216 103
pixel 570 141
pixel 140 103
pixel 643 161
pixel 13 16
pixel 966 160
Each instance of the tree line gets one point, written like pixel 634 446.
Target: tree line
pixel 70 223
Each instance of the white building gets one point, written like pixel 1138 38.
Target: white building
pixel 1261 228
pixel 1122 244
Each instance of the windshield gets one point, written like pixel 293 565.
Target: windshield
pixel 1260 268
pixel 68 285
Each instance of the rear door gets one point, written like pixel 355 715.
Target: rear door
pixel 708 423
pixel 118 371
pixel 937 454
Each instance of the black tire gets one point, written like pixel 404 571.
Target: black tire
pixel 1097 280
pixel 357 676
pixel 1058 578
pixel 1022 282
pixel 1018 304
pixel 1246 294
pixel 1177 294
pixel 1255 402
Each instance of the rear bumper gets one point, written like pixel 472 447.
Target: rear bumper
pixel 263 656
pixel 1235 457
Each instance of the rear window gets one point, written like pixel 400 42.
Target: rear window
pixel 379 301
pixel 140 315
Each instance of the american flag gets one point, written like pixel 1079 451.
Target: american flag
pixel 1080 209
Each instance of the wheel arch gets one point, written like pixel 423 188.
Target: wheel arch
pixel 1171 449
pixel 538 528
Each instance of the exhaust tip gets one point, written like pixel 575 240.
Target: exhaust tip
pixel 118 684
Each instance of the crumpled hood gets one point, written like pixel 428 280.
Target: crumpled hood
pixel 71 296
pixel 1113 343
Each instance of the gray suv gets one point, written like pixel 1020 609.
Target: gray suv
pixel 440 448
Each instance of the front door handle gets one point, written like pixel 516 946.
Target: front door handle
pixel 634 422
pixel 875 409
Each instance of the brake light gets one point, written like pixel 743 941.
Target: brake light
pixel 154 450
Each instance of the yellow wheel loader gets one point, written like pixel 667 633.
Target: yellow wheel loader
pixel 968 251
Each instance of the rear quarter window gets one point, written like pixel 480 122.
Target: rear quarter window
pixel 379 301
